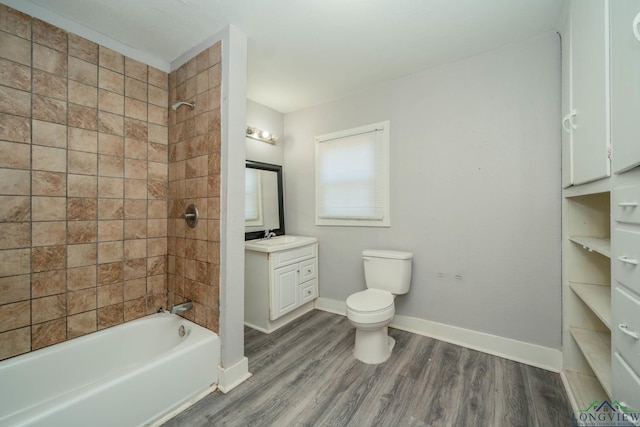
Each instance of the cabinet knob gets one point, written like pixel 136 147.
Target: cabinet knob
pixel 623 258
pixel 636 21
pixel 628 204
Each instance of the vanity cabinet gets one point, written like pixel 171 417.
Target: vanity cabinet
pixel 281 280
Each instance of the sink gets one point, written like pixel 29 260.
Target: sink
pixel 278 243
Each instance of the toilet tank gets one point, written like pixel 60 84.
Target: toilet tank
pixel 387 270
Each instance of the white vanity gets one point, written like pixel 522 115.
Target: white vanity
pixel 280 280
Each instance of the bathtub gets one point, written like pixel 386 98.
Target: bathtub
pixel 127 375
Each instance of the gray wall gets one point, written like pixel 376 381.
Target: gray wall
pixel 268 119
pixel 475 190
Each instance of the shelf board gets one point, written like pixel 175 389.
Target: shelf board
pixel 585 389
pixel 594 244
pixel 596 348
pixel 597 298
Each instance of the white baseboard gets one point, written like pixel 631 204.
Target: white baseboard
pixel 231 377
pixel 530 354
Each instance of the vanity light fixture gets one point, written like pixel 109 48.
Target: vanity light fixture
pixel 261 135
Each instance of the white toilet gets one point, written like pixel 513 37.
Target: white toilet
pixel 387 274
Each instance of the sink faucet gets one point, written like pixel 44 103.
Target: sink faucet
pixel 268 234
pixel 181 307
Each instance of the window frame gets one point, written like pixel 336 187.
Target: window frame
pixel 382 152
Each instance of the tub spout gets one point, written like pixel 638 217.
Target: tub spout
pixel 181 307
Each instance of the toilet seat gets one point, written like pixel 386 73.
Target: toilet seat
pixel 370 306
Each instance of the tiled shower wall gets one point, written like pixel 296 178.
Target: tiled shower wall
pixel 194 177
pixel 84 186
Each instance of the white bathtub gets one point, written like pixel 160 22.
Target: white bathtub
pixel 128 375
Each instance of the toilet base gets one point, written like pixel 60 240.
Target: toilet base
pixel 373 347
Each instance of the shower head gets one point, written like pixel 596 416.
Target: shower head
pixel 179 103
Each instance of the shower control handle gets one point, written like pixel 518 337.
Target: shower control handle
pixel 191 215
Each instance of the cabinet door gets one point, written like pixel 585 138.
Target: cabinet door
pixel 284 295
pixel 625 84
pixel 589 72
pixel 567 152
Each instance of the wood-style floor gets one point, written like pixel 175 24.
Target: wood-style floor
pixel 305 375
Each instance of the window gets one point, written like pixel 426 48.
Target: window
pixel 352 177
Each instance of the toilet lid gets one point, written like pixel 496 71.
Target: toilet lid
pixel 370 300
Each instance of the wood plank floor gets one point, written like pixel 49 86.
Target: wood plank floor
pixel 305 375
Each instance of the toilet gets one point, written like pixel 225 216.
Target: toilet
pixel 387 274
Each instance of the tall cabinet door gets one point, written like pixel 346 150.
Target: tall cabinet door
pixel 567 119
pixel 589 72
pixel 625 84
pixel 284 297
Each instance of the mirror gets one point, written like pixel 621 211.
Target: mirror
pixel 264 200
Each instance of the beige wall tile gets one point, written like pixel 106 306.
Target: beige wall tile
pixel 110 187
pixel 110 230
pixel 135 149
pixel 14 182
pixel 157 209
pixel 15 235
pixel 49 208
pixel 82 186
pixel 158 153
pixel 82 255
pixel 158 78
pixel 135 288
pixel 15 48
pixel 48 184
pixel 82 163
pixel 110 273
pixel 49 35
pixel 158 171
pixel 111 59
pixel 48 258
pixel 15 155
pixel 110 294
pixel 158 134
pixel 49 333
pixel 135 209
pixel 110 102
pixel 135 129
pixel 110 316
pixel 135 109
pixel 81 277
pixel 135 169
pixel 48 308
pixel 82 232
pixel 48 159
pixel 112 166
pixel 110 209
pixel 15 128
pixel 110 252
pixel 15 315
pixel 48 283
pixel 83 48
pixel 135 189
pixel 135 89
pixel 50 85
pixel 83 140
pixel 83 94
pixel 15 75
pixel 156 227
pixel 81 324
pixel 81 301
pixel 157 190
pixel 159 97
pixel 49 134
pixel 83 71
pixel 135 309
pixel 136 248
pixel 111 81
pixel 156 246
pixel 49 233
pixel 83 117
pixel 49 60
pixel 17 102
pixel 110 144
pixel 135 69
pixel 82 209
pixel 135 268
pixel 14 22
pixel 17 341
pixel 157 266
pixel 110 123
pixel 49 109
pixel 15 288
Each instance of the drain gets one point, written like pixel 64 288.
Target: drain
pixel 181 331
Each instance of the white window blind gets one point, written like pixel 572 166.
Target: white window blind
pixel 352 177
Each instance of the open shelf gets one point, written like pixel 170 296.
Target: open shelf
pixel 585 389
pixel 594 244
pixel 596 348
pixel 597 298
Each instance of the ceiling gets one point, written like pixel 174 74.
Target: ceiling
pixel 305 52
